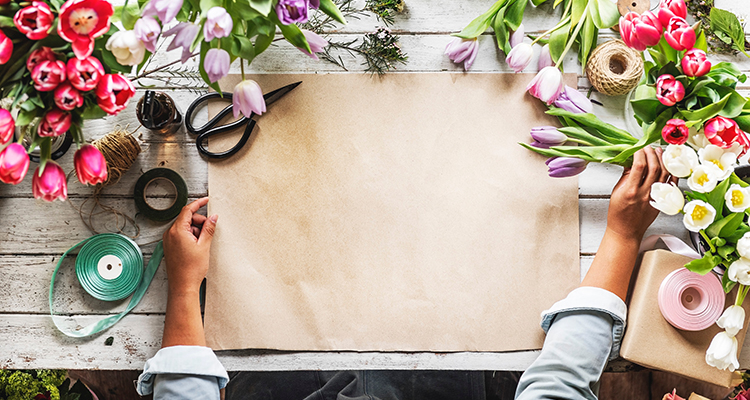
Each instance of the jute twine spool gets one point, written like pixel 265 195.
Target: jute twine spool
pixel 614 68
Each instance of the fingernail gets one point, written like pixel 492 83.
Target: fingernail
pixel 214 217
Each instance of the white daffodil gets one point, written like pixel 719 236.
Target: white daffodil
pixel 733 319
pixel 667 198
pixel 698 215
pixel 743 246
pixel 703 179
pixel 737 198
pixel 739 271
pixel 680 160
pixel 722 352
pixel 718 159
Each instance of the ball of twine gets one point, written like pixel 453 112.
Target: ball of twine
pixel 120 149
pixel 614 68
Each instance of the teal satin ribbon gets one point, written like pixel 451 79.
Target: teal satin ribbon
pixel 133 279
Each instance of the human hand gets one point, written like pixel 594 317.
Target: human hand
pixel 630 213
pixel 187 245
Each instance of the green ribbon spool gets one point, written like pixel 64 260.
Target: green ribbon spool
pixel 109 267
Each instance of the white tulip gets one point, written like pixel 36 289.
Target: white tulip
pixel 697 139
pixel 743 246
pixel 739 271
pixel 698 215
pixel 718 159
pixel 722 353
pixel 733 319
pixel 126 47
pixel 667 198
pixel 737 198
pixel 679 160
pixel 703 179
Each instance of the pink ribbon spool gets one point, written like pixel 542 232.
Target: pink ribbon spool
pixel 690 301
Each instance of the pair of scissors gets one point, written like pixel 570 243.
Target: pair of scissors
pixel 210 128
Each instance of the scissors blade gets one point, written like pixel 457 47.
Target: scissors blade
pixel 271 97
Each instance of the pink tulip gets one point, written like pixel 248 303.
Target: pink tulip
pixel 218 24
pixel 248 99
pixel 316 42
pixel 35 20
pixel 147 30
pixel 463 51
pixel 84 74
pixel 216 64
pixel 675 132
pixel 7 126
pixel 54 123
pixel 669 90
pixel 14 163
pixel 166 10
pixel 91 167
pixel 520 57
pixel 113 93
pixel 724 132
pixel 37 56
pixel 517 36
pixel 679 34
pixel 695 63
pixel 67 97
pixel 51 184
pixel 640 31
pixel 184 34
pixel 546 85
pixel 545 58
pixel 6 48
pixel 669 9
pixel 82 21
pixel 48 75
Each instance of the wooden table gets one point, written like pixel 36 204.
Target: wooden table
pixel 33 234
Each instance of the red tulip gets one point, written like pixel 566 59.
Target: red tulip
pixel 724 132
pixel 82 21
pixel 91 167
pixel 6 48
pixel 14 163
pixel 48 75
pixel 113 93
pixel 55 123
pixel 675 132
pixel 679 34
pixel 85 73
pixel 35 20
pixel 67 97
pixel 51 184
pixel 37 56
pixel 4 2
pixel 669 9
pixel 7 126
pixel 694 63
pixel 669 90
pixel 640 31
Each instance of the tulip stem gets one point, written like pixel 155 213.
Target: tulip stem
pixel 711 245
pixel 556 27
pixel 741 294
pixel 242 68
pixel 572 37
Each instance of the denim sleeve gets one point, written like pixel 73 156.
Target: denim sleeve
pixel 584 331
pixel 183 372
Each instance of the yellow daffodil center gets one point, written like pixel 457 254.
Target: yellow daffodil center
pixel 699 212
pixel 702 179
pixel 737 198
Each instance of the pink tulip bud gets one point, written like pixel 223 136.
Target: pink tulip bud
pixel 679 34
pixel 695 63
pixel 316 42
pixel 546 85
pixel 184 33
pixel 216 64
pixel 37 56
pixel 147 30
pixel 35 20
pixel 675 132
pixel 640 31
pixel 91 167
pixel 6 48
pixel 47 75
pixel 7 126
pixel 520 57
pixel 548 135
pixel 669 9
pixel 724 132
pixel 218 24
pixel 51 184
pixel 517 36
pixel 67 97
pixel 463 51
pixel 54 123
pixel 84 74
pixel 14 163
pixel 166 10
pixel 562 167
pixel 669 90
pixel 248 99
pixel 114 92
pixel 545 58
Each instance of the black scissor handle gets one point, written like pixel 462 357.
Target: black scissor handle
pixel 227 153
pixel 215 120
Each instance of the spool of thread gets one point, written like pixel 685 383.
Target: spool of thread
pixel 120 148
pixel 614 68
pixel 690 301
pixel 158 113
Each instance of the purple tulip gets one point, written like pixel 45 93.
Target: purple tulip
pixel 166 10
pixel 548 135
pixel 248 99
pixel 574 101
pixel 184 34
pixel 218 24
pixel 517 36
pixel 520 57
pixel 293 11
pixel 545 58
pixel 463 51
pixel 315 4
pixel 216 64
pixel 561 167
pixel 316 42
pixel 147 30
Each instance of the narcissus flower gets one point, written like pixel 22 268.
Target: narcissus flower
pixel 669 90
pixel 35 20
pixel 91 167
pixel 7 126
pixel 546 85
pixel 84 74
pixel 51 184
pixel 54 123
pixel 6 48
pixel 722 352
pixel 694 63
pixel 248 99
pixel 82 21
pixel 698 215
pixel 14 163
pixel 48 74
pixel 463 51
pixel 113 93
pixel 667 198
pixel 67 97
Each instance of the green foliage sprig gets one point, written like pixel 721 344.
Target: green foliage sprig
pixel 380 50
pixel 385 9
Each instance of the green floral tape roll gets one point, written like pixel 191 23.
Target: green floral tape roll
pixel 139 194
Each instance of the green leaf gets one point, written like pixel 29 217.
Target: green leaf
pixel 725 226
pixel 578 133
pixel 291 33
pixel 332 10
pixel 734 105
pixel 604 14
pixel 651 135
pixel 479 24
pixel 245 48
pixel 514 13
pixel 25 117
pixel 744 122
pixel 244 11
pixel 576 13
pixel 734 179
pixel 727 283
pixel 93 111
pixel 727 23
pixel 725 251
pixel 501 32
pixel 262 42
pixel 700 42
pixel 716 200
pixel 128 14
pixel 706 112
pixel 264 6
pixel 45 153
pixel 6 22
pixel 588 38
pixel 607 131
pixel 209 4
pixel 704 265
pixel 557 41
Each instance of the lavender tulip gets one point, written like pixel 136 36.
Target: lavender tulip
pixel 315 4
pixel 545 58
pixel 517 36
pixel 462 51
pixel 316 42
pixel 166 10
pixel 546 85
pixel 248 99
pixel 293 11
pixel 574 101
pixel 184 34
pixel 216 64
pixel 520 57
pixel 218 24
pixel 548 135
pixel 561 167
pixel 147 30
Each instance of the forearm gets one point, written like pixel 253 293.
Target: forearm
pixel 183 324
pixel 614 263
